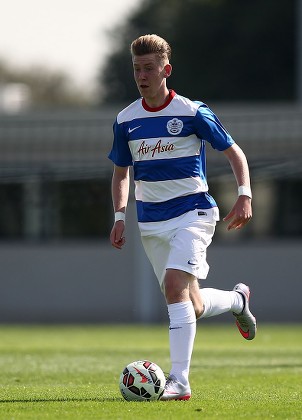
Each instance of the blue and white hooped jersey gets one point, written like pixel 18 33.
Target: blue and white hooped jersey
pixel 166 147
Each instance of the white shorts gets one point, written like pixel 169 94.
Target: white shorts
pixel 184 247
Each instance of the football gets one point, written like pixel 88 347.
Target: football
pixel 142 381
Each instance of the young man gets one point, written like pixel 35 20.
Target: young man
pixel 163 136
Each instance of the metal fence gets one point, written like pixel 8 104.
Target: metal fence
pixel 73 145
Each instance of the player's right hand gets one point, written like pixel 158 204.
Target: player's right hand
pixel 117 237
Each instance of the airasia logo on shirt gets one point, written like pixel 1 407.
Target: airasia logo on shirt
pixel 159 147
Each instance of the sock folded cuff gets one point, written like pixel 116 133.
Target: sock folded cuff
pixel 181 313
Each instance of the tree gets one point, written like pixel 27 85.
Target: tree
pixel 48 88
pixel 221 49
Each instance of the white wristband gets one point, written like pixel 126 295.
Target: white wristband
pixel 119 215
pixel 243 190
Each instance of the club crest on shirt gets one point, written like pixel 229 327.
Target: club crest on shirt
pixel 174 126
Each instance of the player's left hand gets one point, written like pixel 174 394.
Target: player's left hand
pixel 240 214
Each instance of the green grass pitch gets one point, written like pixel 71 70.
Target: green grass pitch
pixel 72 372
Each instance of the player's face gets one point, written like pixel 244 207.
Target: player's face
pixel 150 75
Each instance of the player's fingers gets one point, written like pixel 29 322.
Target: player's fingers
pixel 239 222
pixel 228 216
pixel 232 225
pixel 119 244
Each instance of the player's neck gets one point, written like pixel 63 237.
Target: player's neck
pixel 160 102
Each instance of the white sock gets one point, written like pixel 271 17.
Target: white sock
pixel 182 334
pixel 217 302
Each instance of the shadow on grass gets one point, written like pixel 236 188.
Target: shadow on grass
pixel 42 400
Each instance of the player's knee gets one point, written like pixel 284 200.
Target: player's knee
pixel 175 289
pixel 172 294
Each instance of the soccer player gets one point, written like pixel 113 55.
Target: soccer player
pixel 163 136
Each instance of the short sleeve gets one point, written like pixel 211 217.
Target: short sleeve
pixel 209 128
pixel 120 153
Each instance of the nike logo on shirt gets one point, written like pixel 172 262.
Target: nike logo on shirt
pixel 132 129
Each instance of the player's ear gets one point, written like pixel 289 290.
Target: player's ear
pixel 167 70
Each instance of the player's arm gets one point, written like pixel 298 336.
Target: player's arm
pixel 241 212
pixel 120 194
